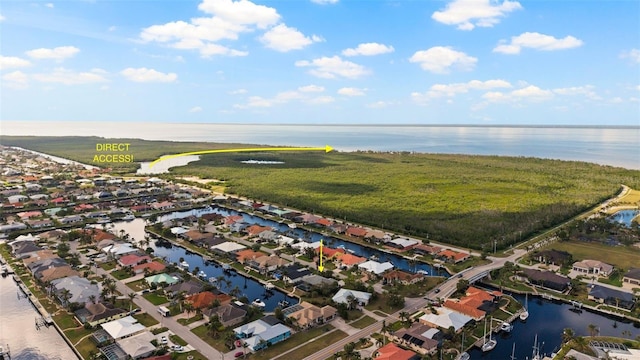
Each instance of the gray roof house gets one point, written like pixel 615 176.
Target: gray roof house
pixel 80 288
pixel 613 297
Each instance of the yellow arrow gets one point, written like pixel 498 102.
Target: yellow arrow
pixel 321 267
pixel 326 148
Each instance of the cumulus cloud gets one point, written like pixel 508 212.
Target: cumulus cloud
pixel 311 88
pixel 15 80
pixel 59 53
pixel 379 104
pixel 325 2
pixel 586 90
pixel 351 91
pixel 12 62
pixel 70 77
pixel 283 38
pixel 333 67
pixel 450 90
pixel 226 21
pixel 148 75
pixel 467 14
pixel 320 100
pixel 527 93
pixel 195 109
pixel 368 49
pixel 633 55
pixel 440 60
pixel 537 41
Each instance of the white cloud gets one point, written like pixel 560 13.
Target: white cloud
pixel 379 104
pixel 283 38
pixel 633 55
pixel 148 75
pixel 70 77
pixel 325 2
pixel 238 92
pixel 587 91
pixel 319 100
pixel 528 93
pixel 311 88
pixel 195 109
pixel 2 18
pixel 228 19
pixel 351 91
pixel 49 5
pixel 59 53
pixel 15 80
pixel 537 41
pixel 368 49
pixel 467 14
pixel 10 62
pixel 440 59
pixel 450 90
pixel 332 67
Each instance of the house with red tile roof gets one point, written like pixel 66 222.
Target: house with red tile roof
pixel 392 351
pixel 152 267
pixel 247 254
pixel 324 222
pixel 29 214
pixel 133 260
pixel 254 230
pixel 350 260
pixel 452 256
pixel 98 235
pixel 232 219
pixel 403 277
pixel 356 232
pixel 206 298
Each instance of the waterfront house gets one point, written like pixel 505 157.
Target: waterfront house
pixel 205 299
pixel 419 337
pixel 55 272
pixel 187 287
pixel 311 281
pixel 356 232
pixel 132 260
pixel 150 267
pixel 71 219
pixel 119 249
pixel 39 224
pixel 375 267
pixel 294 273
pixel 80 289
pixel 632 277
pixel 392 351
pixel 455 257
pixel 246 255
pixel 227 248
pixel 97 313
pixel 228 314
pixel 444 318
pixel 260 334
pixel 547 279
pixel 344 296
pixel 138 346
pixel 593 267
pixel 160 279
pixel 349 260
pixel 403 244
pixel 306 315
pixel 402 277
pixel 15 226
pixel 376 236
pixel 612 297
pixel 121 328
pixel 266 264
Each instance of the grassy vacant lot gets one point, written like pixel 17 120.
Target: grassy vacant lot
pixel 460 199
pixel 316 345
pixel 155 299
pixel 363 322
pixel 145 319
pixel 621 257
pixel 295 340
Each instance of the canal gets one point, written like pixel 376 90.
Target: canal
pixel 18 329
pixel 547 320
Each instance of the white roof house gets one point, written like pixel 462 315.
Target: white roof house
pixel 403 243
pixel 282 240
pixel 342 296
pixel 228 247
pixel 303 245
pixel 119 249
pixel 375 267
pixel 122 328
pixel 259 334
pixel 445 318
pixel 178 230
pixel 138 346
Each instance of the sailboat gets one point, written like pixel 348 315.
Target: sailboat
pixel 535 354
pixel 488 345
pixel 513 352
pixel 525 314
pixel 463 354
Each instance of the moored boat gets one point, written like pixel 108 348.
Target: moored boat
pixel 258 303
pixel 184 265
pixel 283 303
pixel 202 274
pixel 506 327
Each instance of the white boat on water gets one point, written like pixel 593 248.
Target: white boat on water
pixel 258 303
pixel 488 345
pixel 423 272
pixel 525 314
pixel 269 286
pixel 292 225
pixel 213 280
pixel 184 265
pixel 202 274
pixel 506 327
pixel 283 303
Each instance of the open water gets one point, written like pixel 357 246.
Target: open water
pixel 615 146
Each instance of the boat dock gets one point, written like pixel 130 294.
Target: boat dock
pixel 46 319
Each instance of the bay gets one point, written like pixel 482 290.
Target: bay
pixel 615 146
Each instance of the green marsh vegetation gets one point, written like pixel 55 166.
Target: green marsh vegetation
pixel 469 201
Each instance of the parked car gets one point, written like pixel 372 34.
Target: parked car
pixel 164 340
pixel 238 354
pixel 437 291
pixel 177 347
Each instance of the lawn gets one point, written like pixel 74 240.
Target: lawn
pixel 314 346
pixel 121 274
pixel 75 335
pixel 177 340
pixel 381 303
pixel 138 285
pixel 107 266
pixel 621 257
pixel 65 321
pixel 146 319
pixel 86 347
pixel 363 322
pixel 614 279
pixel 187 321
pixel 156 299
pixel 218 344
pixel 295 340
pixel 191 355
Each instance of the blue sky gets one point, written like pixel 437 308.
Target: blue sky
pixel 322 61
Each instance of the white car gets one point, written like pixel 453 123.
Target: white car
pixel 177 347
pixel 164 340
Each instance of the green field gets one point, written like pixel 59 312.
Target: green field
pixel 621 257
pixel 465 200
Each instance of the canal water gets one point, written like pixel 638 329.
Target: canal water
pixel 18 330
pixel 548 320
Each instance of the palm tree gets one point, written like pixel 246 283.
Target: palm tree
pixel 65 296
pixel 188 307
pixel 214 325
pixel 404 316
pixel 593 330
pixel 351 301
pixel 131 296
pixel 235 292
pixel 179 298
pixel 92 298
